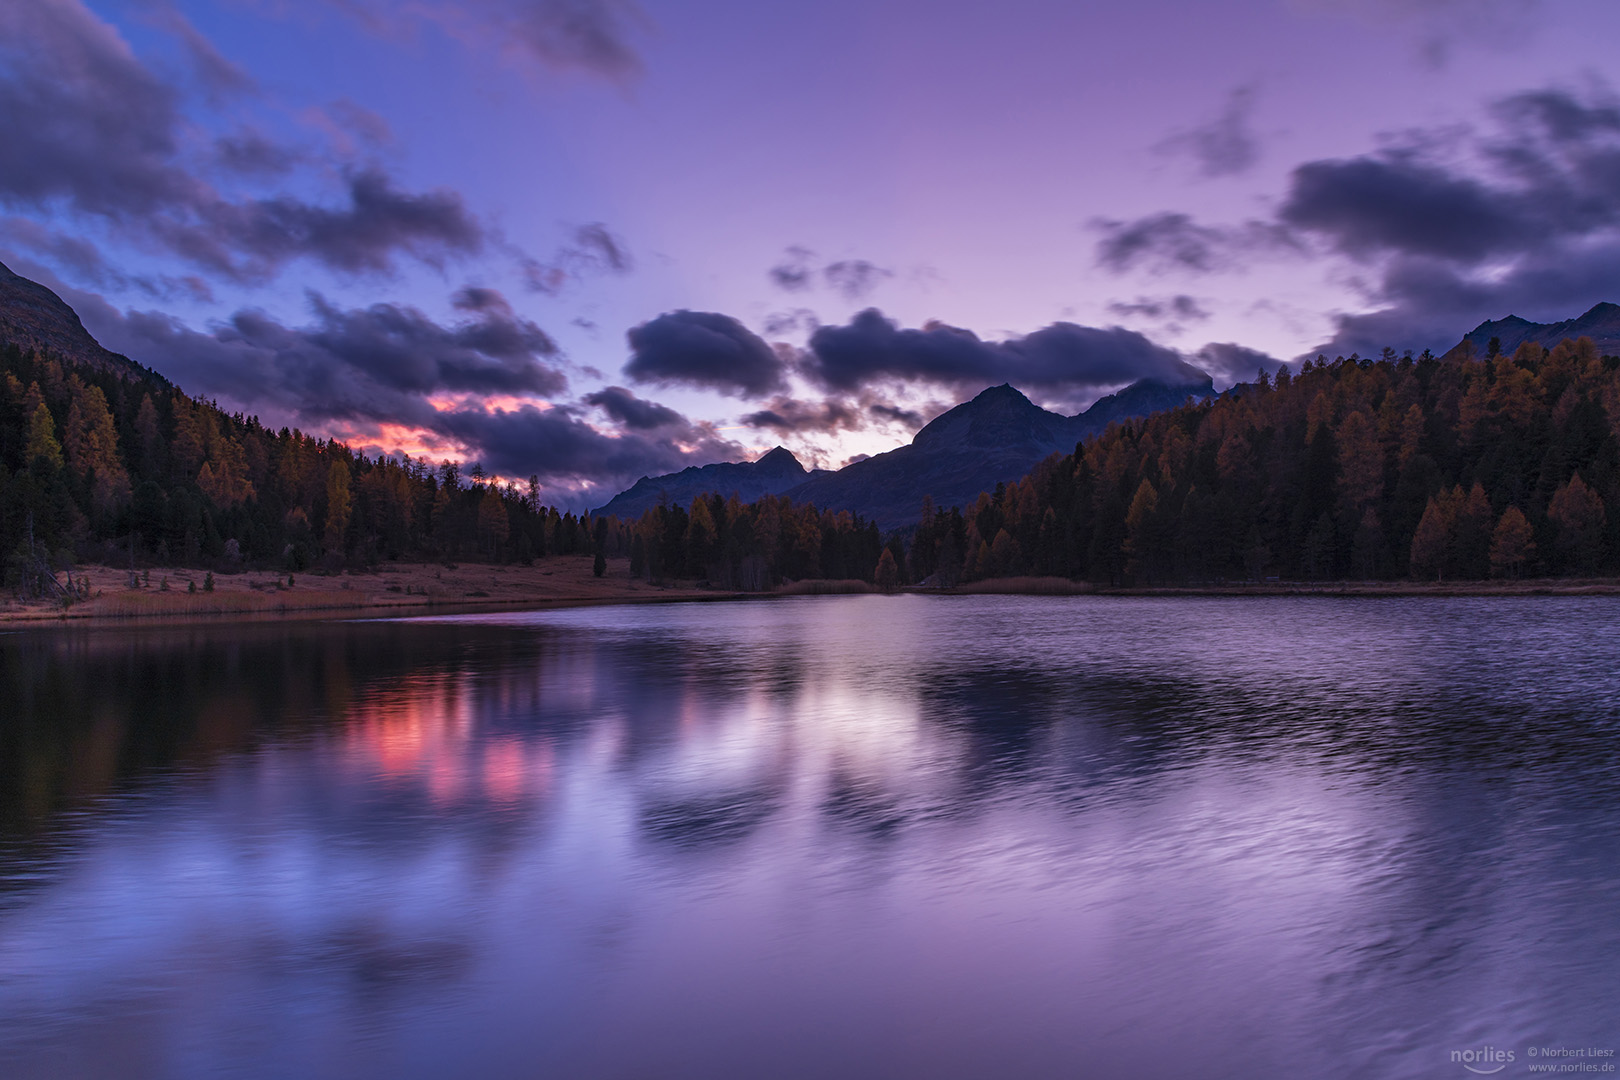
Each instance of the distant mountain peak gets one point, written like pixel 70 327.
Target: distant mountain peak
pixel 778 456
pixel 771 473
pixel 1601 323
pixel 999 435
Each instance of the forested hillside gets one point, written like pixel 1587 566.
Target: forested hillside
pixel 96 459
pixel 1455 468
pixel 109 464
pixel 1436 469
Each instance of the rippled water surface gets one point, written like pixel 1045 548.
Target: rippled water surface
pixel 836 837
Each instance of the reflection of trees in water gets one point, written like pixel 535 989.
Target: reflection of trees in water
pixel 85 713
pixel 475 717
pixel 710 820
pixel 371 957
pixel 863 804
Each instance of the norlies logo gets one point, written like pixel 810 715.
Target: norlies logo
pixel 1485 1061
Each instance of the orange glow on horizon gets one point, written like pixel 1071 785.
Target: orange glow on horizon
pixel 391 438
pixel 486 403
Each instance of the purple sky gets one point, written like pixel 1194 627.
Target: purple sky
pixel 591 239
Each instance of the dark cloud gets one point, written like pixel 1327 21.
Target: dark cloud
pixel 254 239
pixel 400 348
pixel 1063 361
pixel 594 36
pixel 1446 228
pixel 81 119
pixel 1368 206
pixel 635 413
pixel 383 363
pixel 359 370
pixel 1526 222
pixel 700 348
pixel 1227 145
pixel 1173 241
pixel 1161 241
pixel 793 416
pixel 1430 304
pixel 894 414
pixel 591 250
pixel 1231 363
pixel 89 131
pixel 563 449
pixel 1549 173
pixel 788 415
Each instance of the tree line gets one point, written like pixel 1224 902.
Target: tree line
pixel 1459 467
pixel 1462 467
pixel 107 466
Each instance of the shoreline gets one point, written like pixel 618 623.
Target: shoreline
pixel 1065 587
pixel 397 590
pixel 417 589
pixel 1034 586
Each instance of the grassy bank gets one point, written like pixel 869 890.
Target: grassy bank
pixel 402 589
pixel 415 589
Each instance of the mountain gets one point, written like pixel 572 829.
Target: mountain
pixel 998 436
pixel 772 474
pixel 1601 324
pixel 33 317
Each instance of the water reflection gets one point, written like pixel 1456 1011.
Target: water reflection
pixel 867 836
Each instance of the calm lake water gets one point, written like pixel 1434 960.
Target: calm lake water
pixel 835 837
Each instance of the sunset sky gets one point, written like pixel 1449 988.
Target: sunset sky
pixel 592 239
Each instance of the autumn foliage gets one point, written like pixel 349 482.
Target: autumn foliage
pixel 1454 468
pixel 1449 468
pixel 110 467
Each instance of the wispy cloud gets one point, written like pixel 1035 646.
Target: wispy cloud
pixel 1225 145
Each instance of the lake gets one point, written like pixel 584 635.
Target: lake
pixel 842 837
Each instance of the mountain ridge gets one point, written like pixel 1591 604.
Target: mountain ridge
pixel 772 473
pixel 997 436
pixel 1601 323
pixel 34 317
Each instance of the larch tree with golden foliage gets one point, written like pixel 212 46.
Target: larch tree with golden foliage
pixel 1512 544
